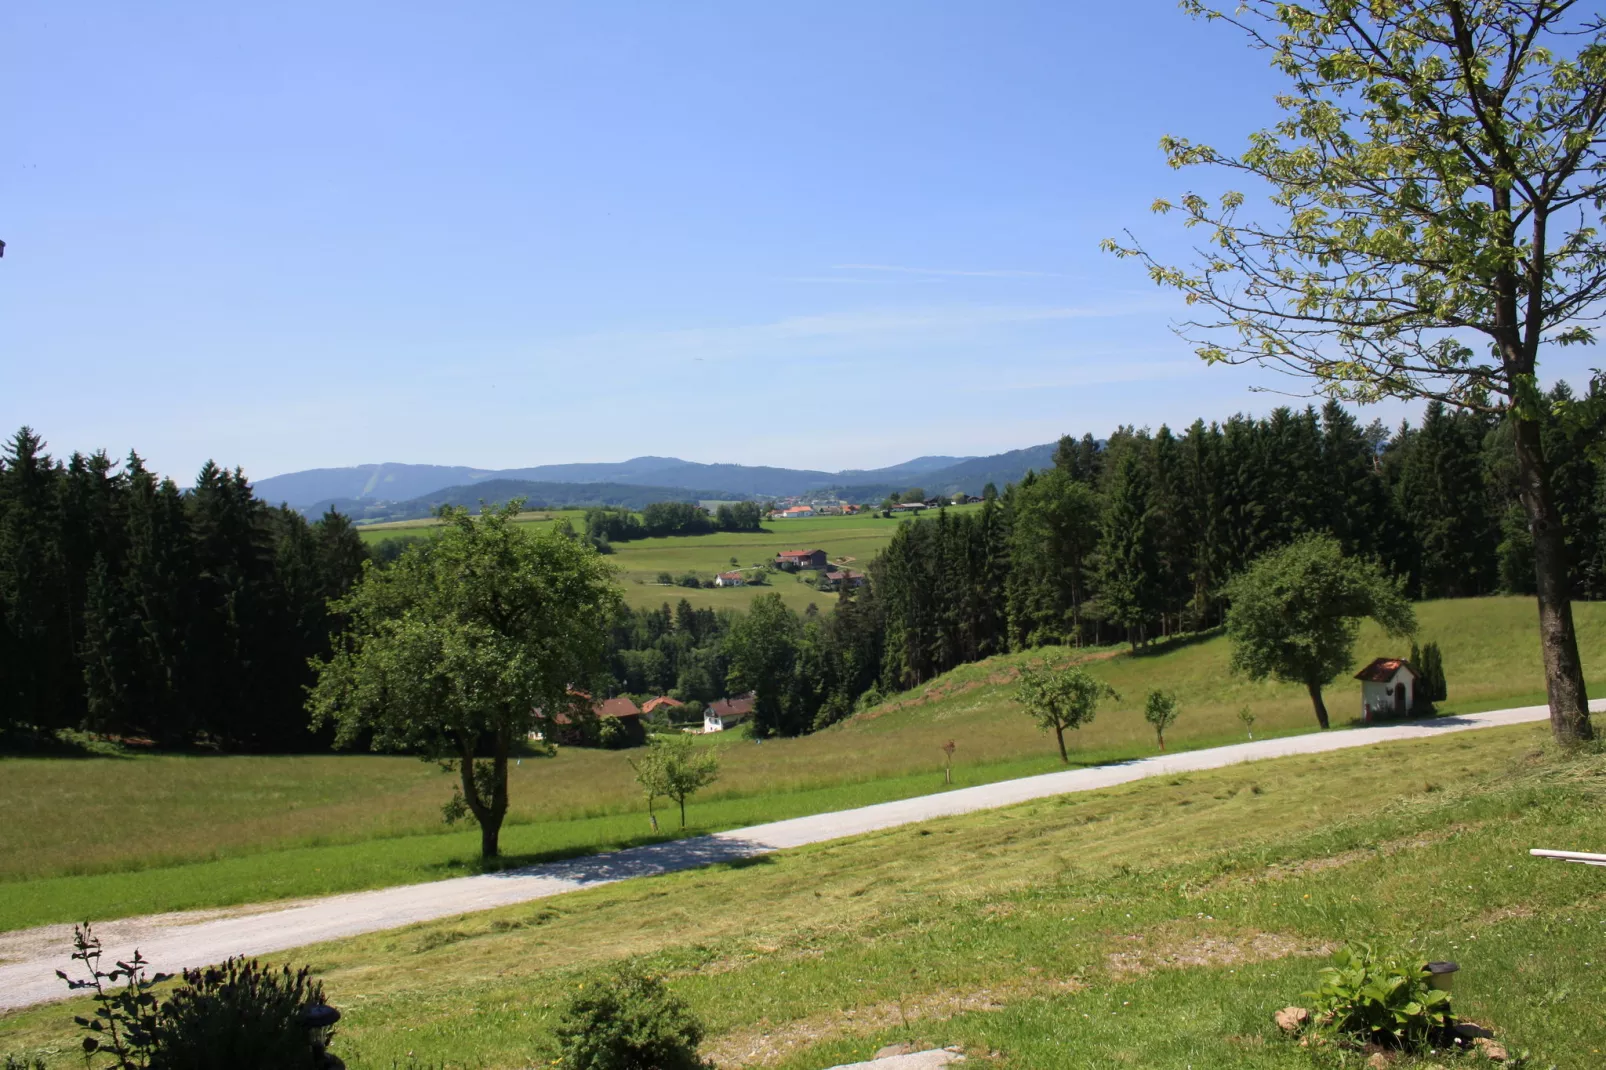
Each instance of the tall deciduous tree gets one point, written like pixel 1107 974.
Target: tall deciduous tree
pixel 763 648
pixel 465 645
pixel 1295 613
pixel 1438 182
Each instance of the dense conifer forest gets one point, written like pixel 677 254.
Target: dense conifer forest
pixel 132 608
pixel 129 607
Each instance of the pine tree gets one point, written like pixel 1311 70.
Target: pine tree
pixel 1128 552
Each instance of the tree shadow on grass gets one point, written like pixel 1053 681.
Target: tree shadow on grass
pixel 1177 642
pixel 702 848
pixel 650 859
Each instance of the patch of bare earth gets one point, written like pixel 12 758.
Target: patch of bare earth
pixel 765 1045
pixel 1168 947
pixel 1500 914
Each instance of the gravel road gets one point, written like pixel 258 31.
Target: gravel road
pixel 170 942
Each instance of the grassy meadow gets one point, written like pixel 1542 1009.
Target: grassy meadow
pixel 1157 924
pixel 118 836
pixel 853 540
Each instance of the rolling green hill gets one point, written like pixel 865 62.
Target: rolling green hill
pixel 159 832
pixel 849 540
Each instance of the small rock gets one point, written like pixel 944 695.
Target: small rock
pixel 1493 1052
pixel 1291 1019
pixel 1377 1061
pixel 911 1060
pixel 1469 1030
pixel 901 1048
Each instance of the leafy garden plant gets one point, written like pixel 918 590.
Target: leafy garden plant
pixel 628 1020
pixel 1374 997
pixel 237 1015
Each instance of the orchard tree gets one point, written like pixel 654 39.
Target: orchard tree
pixel 1160 709
pixel 467 644
pixel 1436 191
pixel 1058 699
pixel 1295 612
pixel 672 769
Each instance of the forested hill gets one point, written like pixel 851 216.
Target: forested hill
pixel 675 478
pixel 968 476
pixel 493 492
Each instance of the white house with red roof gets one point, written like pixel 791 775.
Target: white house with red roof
pixel 1388 689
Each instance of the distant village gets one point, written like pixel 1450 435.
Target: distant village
pixel 797 509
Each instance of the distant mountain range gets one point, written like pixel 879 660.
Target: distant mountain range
pixel 402 491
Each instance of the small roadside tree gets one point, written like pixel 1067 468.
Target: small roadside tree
pixel 1247 717
pixel 1295 612
pixel 1060 699
pixel 1160 709
pixel 1434 227
pixel 673 769
pixel 464 646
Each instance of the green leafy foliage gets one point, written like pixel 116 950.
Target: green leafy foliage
pixel 1433 230
pixel 238 1015
pixel 628 1020
pixel 1296 611
pixel 469 644
pixel 1374 997
pixel 1160 709
pixel 123 1026
pixel 674 768
pixel 241 1015
pixel 1060 699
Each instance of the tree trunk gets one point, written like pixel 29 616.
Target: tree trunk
pixel 682 801
pixel 1059 734
pixel 1161 737
pixel 1558 640
pixel 1316 700
pixel 489 817
pixel 490 834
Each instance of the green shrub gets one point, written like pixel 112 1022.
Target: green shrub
pixel 1373 997
pixel 234 1017
pixel 627 1020
pixel 21 1062
pixel 242 1016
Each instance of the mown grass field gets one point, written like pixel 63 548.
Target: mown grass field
pixel 851 539
pixel 117 836
pixel 1154 925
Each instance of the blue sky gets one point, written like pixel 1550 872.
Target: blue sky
pixel 828 235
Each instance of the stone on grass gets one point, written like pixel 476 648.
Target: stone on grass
pixel 1491 1051
pixel 1291 1019
pixel 917 1060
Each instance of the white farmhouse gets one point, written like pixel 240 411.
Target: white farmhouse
pixel 1388 689
pixel 727 713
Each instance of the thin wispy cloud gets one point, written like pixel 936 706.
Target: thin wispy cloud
pixel 955 272
pixel 853 280
pixel 869 332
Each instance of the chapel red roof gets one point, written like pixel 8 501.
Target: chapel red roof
pixel 1382 670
